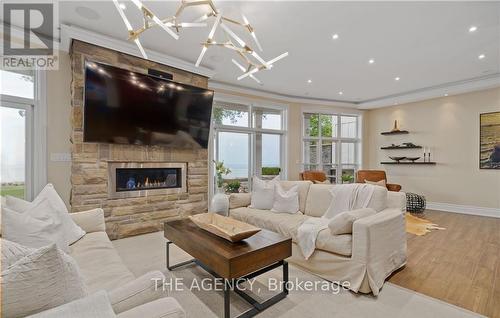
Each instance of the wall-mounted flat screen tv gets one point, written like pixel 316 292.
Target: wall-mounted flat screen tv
pixel 127 107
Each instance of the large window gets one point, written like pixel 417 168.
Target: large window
pixel 331 143
pixel 16 128
pixel 250 140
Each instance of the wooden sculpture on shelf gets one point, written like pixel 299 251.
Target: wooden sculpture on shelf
pixel 396 126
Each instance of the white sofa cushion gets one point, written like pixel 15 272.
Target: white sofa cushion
pixel 286 201
pixel 100 264
pixel 396 200
pixel 166 307
pixel 288 224
pixel 42 280
pixel 96 306
pixel 342 223
pixel 238 200
pixel 303 191
pixel 338 244
pixel 59 212
pixel 141 290
pixel 318 199
pixel 262 193
pixel 378 201
pixel 90 220
pixel 33 227
pixel 12 252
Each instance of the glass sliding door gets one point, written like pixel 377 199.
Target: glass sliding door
pixel 250 140
pixel 331 143
pixel 267 155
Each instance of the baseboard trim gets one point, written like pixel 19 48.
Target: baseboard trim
pixel 464 209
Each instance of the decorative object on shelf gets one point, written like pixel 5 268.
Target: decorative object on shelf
pixel 489 135
pixel 427 154
pixel 397 159
pixel 401 147
pixel 409 144
pixel 225 227
pixel 396 127
pixel 220 201
pixel 252 60
pixel 415 203
pixel 407 163
pixel 412 159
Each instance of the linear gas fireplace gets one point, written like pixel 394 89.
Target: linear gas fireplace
pixel 138 179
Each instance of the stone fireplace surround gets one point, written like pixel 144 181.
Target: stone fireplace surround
pixel 89 171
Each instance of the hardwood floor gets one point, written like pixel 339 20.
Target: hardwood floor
pixel 460 265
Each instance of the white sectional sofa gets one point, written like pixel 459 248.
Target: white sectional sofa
pixel 365 258
pixel 103 269
pixel 113 291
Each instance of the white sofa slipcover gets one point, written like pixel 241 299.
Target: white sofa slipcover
pixel 365 258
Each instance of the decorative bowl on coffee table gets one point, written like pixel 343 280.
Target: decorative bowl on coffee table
pixel 225 227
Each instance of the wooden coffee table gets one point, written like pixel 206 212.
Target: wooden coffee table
pixel 232 262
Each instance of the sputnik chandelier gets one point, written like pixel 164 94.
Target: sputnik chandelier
pixel 252 61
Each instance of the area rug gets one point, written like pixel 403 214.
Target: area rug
pixel 147 252
pixel 419 226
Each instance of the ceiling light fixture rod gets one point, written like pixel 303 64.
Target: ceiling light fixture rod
pixel 170 24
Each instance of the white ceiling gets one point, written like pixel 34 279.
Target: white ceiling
pixel 426 44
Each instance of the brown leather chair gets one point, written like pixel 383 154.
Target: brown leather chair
pixel 375 176
pixel 312 175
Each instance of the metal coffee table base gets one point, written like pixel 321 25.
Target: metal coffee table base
pixel 230 285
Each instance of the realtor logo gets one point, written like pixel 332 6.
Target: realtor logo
pixel 28 36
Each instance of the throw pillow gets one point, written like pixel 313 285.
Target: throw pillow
pixel 348 197
pixel 44 279
pixel 381 183
pixel 342 223
pixel 33 228
pixel 286 201
pixel 262 193
pixel 59 213
pixel 12 252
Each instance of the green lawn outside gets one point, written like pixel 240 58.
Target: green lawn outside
pixel 13 190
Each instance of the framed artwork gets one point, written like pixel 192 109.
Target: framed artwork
pixel 489 141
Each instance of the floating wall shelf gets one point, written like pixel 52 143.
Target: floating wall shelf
pixel 396 132
pixel 407 163
pixel 402 147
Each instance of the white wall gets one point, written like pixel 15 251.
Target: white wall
pixel 450 126
pixel 59 125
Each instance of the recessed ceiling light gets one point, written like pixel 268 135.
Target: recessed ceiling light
pixel 371 61
pixel 335 36
pixel 473 28
pixel 397 78
pixel 341 93
pixel 446 95
pixel 309 81
pixel 481 56
pixel 396 103
pixel 87 13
